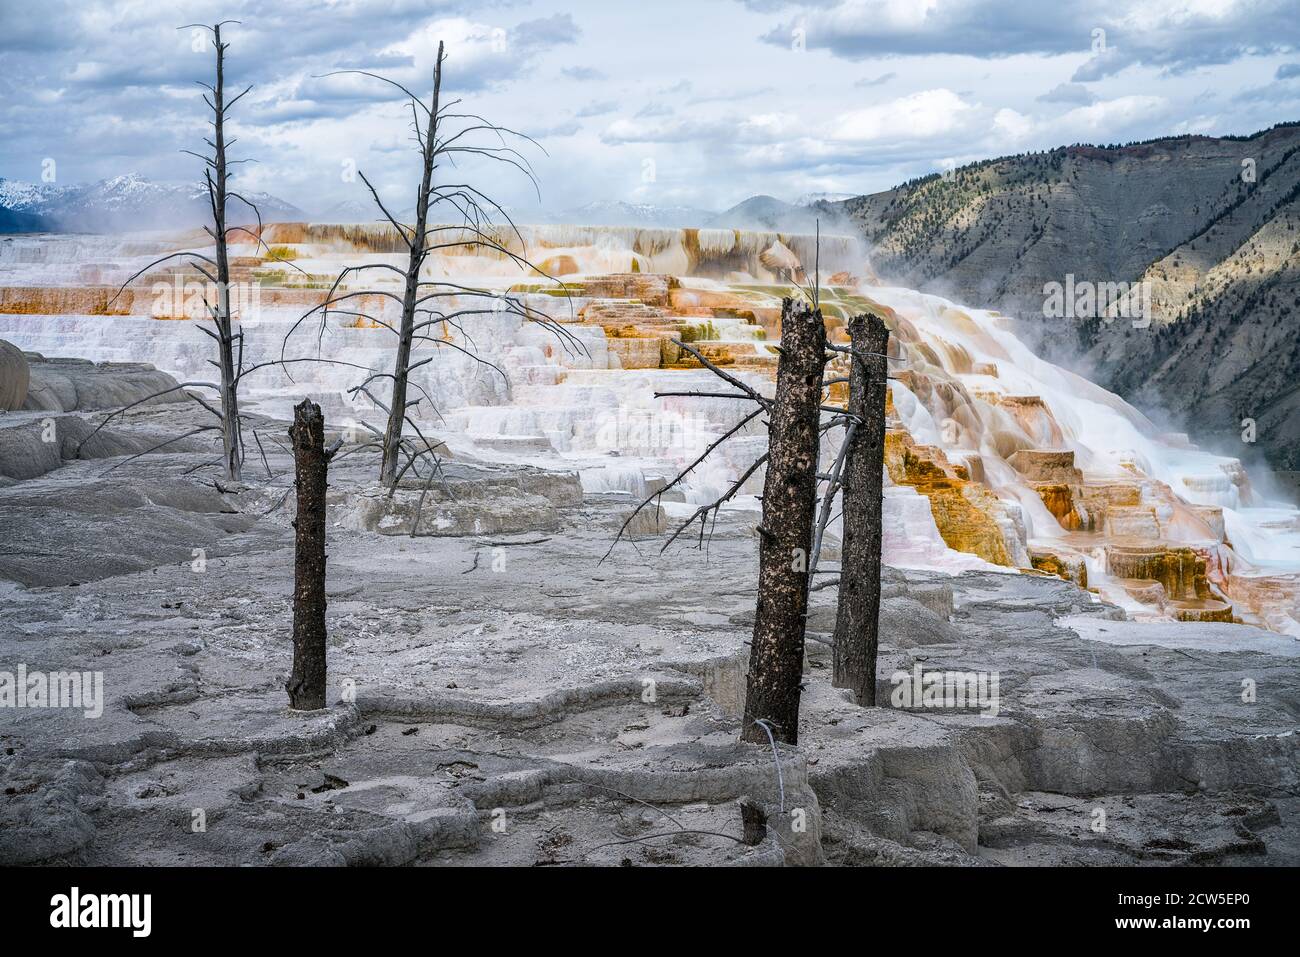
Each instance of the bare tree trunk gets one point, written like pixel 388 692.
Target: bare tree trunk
pixel 857 620
pixel 428 304
pixel 231 440
pixel 785 536
pixel 406 331
pixel 219 306
pixel 753 821
pixel 306 684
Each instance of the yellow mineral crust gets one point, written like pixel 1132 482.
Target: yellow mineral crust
pixel 962 509
pixel 1072 568
pixel 1181 570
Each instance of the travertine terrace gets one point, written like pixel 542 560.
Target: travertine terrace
pixel 995 458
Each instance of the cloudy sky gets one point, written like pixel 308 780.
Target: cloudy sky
pixel 692 102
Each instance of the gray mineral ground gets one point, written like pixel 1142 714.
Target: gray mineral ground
pixel 491 669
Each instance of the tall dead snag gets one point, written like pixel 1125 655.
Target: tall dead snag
pixel 419 242
pixel 430 309
pixel 857 619
pixel 306 685
pixel 219 306
pixel 232 443
pixel 785 535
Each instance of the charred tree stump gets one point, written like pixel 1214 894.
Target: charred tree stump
pixel 306 685
pixel 858 616
pixel 785 536
pixel 753 821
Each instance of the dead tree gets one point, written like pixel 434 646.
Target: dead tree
pixel 795 425
pixel 217 300
pixel 306 685
pixel 418 241
pixel 789 539
pixel 425 306
pixel 215 175
pixel 857 618
pixel 785 535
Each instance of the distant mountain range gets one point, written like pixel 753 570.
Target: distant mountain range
pixel 123 204
pixel 767 213
pixel 352 211
pixel 757 212
pixel 131 202
pixel 602 213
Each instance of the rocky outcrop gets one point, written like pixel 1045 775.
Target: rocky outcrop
pixel 15 377
pixel 31 448
pixel 466 500
pixel 76 385
pixel 61 531
pixel 34 444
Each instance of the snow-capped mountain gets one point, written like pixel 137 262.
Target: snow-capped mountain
pixel 19 205
pixel 22 197
pixel 124 203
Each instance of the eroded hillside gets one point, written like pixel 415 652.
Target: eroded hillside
pixel 1209 223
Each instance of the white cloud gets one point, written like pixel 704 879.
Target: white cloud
pixel 1013 126
pixel 923 115
pixel 1169 33
pixel 107 87
pixel 1109 119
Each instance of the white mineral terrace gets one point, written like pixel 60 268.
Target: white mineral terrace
pixel 970 395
